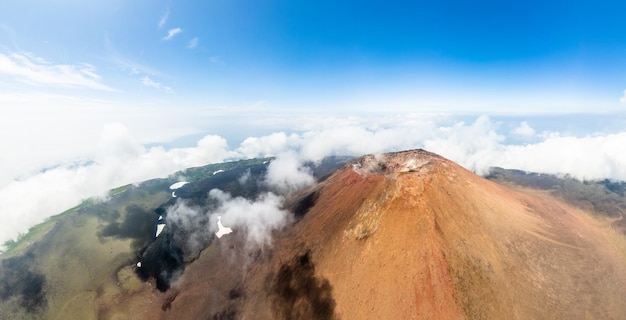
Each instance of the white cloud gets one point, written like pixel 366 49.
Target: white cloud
pixel 478 145
pixel 524 130
pixel 622 100
pixel 164 18
pixel 190 219
pixel 117 161
pixel 269 145
pixel 171 33
pixel 146 81
pixel 287 174
pixel 27 68
pixel 585 158
pixel 256 217
pixel 473 146
pixel 193 43
pixel 42 130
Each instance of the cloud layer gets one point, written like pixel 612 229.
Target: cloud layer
pixel 148 82
pixel 477 145
pixel 164 18
pixel 33 70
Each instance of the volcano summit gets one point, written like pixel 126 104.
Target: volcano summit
pixel 406 235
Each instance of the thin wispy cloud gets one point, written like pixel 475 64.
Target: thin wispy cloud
pixel 164 18
pixel 33 70
pixel 193 43
pixel 622 100
pixel 146 81
pixel 132 67
pixel 171 33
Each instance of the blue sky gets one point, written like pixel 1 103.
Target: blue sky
pixel 103 93
pixel 486 56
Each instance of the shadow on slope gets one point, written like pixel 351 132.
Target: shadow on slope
pixel 298 294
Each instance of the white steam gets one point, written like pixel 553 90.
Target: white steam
pixel 287 173
pixel 257 218
pixel 191 222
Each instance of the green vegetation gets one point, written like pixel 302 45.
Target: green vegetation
pixel 118 190
pixel 97 243
pixel 199 173
pixel 150 187
pixel 24 240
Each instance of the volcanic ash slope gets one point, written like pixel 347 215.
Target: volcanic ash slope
pixel 411 235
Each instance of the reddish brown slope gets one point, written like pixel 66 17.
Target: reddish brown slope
pixel 411 235
pixel 415 236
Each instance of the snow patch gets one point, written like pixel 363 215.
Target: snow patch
pixel 221 229
pixel 177 185
pixel 160 227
